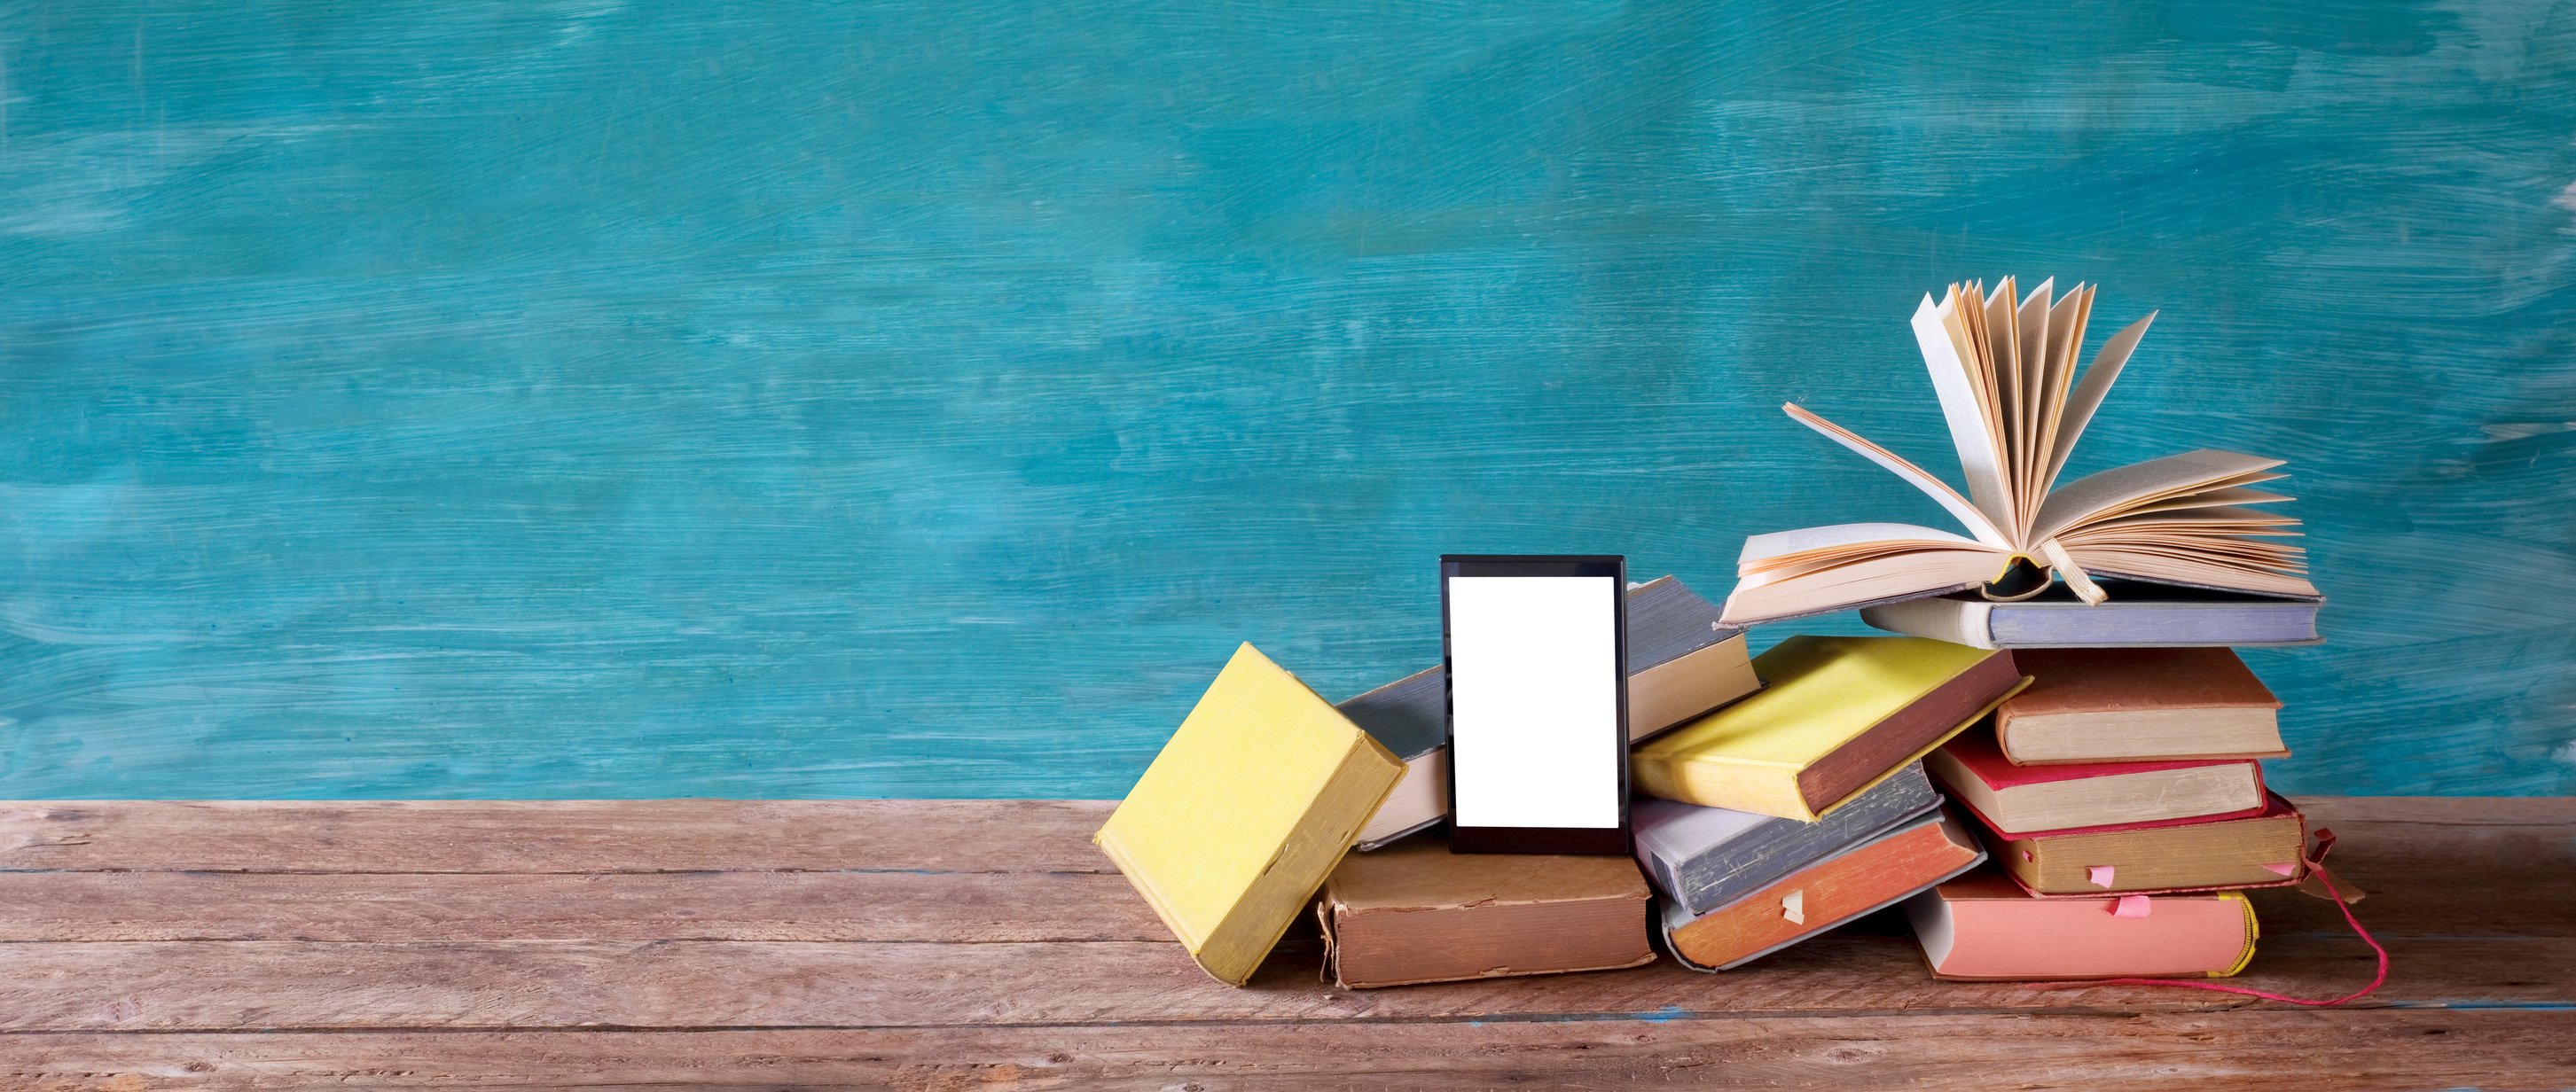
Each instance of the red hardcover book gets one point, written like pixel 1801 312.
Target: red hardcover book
pixel 2021 801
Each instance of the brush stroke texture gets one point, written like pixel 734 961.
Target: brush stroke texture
pixel 921 399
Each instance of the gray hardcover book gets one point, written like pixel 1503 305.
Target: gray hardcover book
pixel 2138 615
pixel 1667 621
pixel 1681 663
pixel 1408 715
pixel 1704 858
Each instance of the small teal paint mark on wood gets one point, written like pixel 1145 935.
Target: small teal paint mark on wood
pixel 922 399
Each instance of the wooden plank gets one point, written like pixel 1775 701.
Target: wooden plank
pixel 167 986
pixel 2264 1049
pixel 2463 811
pixel 2414 870
pixel 589 836
pixel 879 906
pixel 736 835
pixel 128 886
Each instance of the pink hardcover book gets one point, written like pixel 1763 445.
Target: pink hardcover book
pixel 1983 926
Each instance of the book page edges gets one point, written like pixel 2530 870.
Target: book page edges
pixel 1938 617
pixel 1970 421
pixel 1970 514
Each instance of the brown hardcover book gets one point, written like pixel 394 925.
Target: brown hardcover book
pixel 2257 851
pixel 1870 876
pixel 1416 912
pixel 2133 704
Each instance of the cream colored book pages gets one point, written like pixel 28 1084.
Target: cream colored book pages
pixel 2195 572
pixel 1969 514
pixel 2032 341
pixel 2067 321
pixel 1963 411
pixel 2101 495
pixel 1841 541
pixel 2089 392
pixel 2215 498
pixel 2004 366
pixel 1763 597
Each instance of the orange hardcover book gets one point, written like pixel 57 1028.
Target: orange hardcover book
pixel 1983 926
pixel 1873 875
pixel 2137 704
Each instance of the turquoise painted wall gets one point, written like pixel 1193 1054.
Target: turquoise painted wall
pixel 593 399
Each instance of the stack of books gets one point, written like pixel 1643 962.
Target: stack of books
pixel 2063 675
pixel 1806 805
pixel 2121 796
pixel 2121 799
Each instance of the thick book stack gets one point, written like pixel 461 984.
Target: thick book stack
pixel 2121 796
pixel 2121 800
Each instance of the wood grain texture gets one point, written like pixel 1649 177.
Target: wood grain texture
pixel 195 945
pixel 587 837
pixel 2397 1050
pixel 148 986
pixel 497 399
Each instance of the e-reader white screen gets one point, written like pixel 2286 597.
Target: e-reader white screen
pixel 1534 700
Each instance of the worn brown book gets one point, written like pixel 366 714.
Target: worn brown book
pixel 1416 912
pixel 2132 704
pixel 2261 850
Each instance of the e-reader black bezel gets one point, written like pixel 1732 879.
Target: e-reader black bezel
pixel 1588 841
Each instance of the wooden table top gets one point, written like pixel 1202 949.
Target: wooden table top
pixel 987 944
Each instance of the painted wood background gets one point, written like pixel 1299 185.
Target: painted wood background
pixel 590 399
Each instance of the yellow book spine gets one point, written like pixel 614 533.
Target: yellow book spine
pixel 1760 789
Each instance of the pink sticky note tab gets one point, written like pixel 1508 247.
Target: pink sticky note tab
pixel 2026 857
pixel 2099 875
pixel 2282 869
pixel 2131 906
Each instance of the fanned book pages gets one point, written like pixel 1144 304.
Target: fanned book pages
pixel 2004 369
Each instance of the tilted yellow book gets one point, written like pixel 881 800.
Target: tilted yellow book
pixel 1838 714
pixel 1239 819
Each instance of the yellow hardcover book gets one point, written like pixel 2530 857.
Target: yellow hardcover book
pixel 1239 819
pixel 1839 715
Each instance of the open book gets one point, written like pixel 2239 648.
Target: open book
pixel 2004 368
